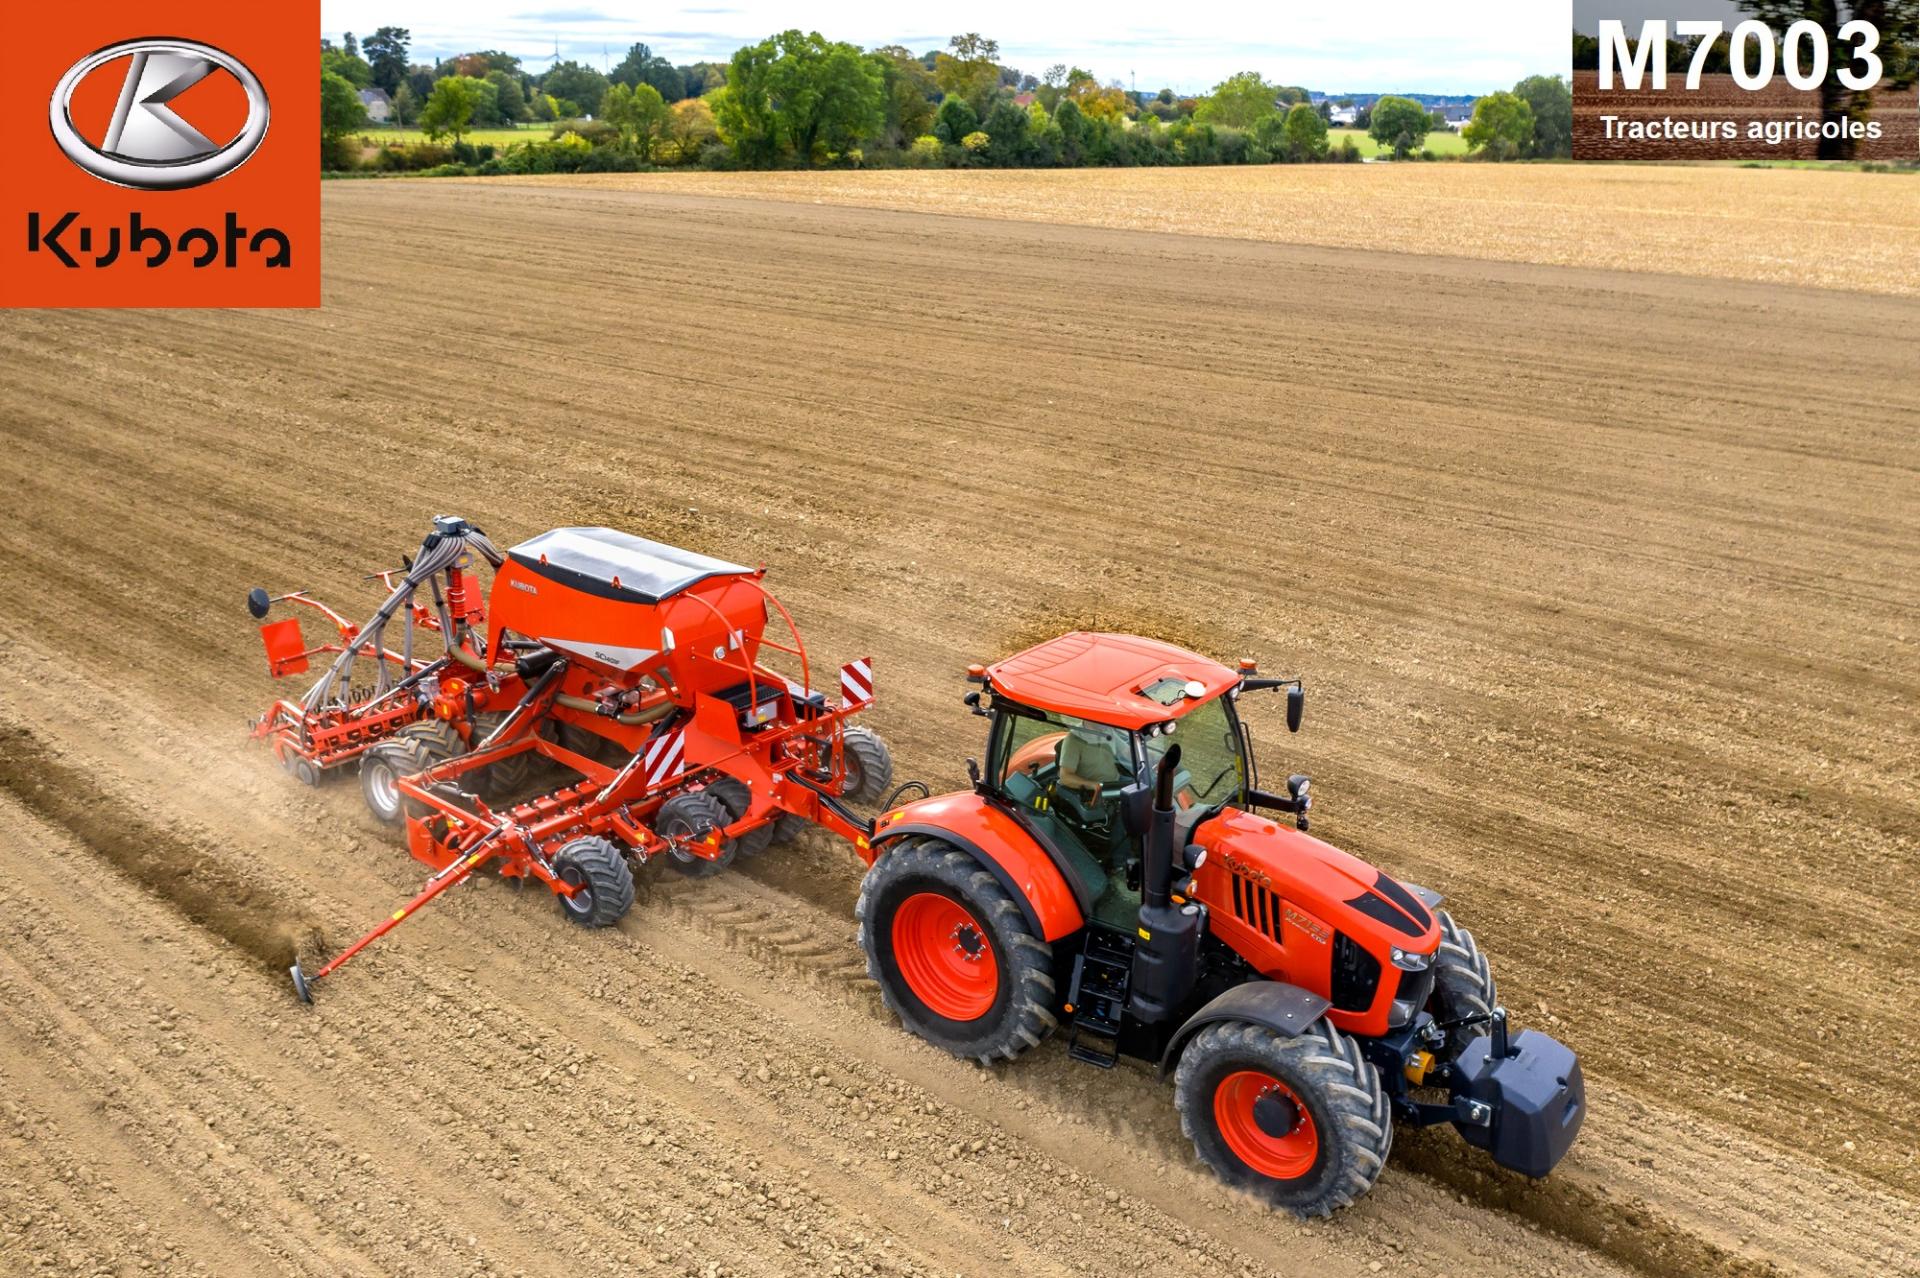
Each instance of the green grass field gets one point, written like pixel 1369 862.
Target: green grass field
pixel 1440 143
pixel 479 137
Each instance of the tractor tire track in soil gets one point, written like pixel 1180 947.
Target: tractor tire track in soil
pixel 1613 645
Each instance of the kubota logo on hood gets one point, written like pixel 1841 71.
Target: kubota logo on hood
pixel 147 144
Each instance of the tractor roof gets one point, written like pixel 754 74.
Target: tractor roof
pixel 618 565
pixel 1120 680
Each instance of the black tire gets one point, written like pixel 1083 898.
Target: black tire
pixel 511 773
pixel 413 749
pixel 598 867
pixel 441 738
pixel 587 742
pixel 869 765
pixel 301 769
pixel 736 798
pixel 1021 1010
pixel 1462 983
pixel 1325 1082
pixel 690 816
pixel 790 826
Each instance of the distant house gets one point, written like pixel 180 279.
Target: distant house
pixel 1023 100
pixel 1344 117
pixel 379 106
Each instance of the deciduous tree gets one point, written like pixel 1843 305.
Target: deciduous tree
pixel 577 83
pixel 643 66
pixel 1400 124
pixel 1552 105
pixel 970 70
pixel 691 128
pixel 449 111
pixel 348 66
pixel 406 107
pixel 908 94
pixel 340 109
pixel 1239 101
pixel 1305 134
pixel 800 94
pixel 1501 128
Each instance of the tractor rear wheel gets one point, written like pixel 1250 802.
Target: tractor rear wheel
pixel 690 817
pixel 736 798
pixel 413 749
pixel 869 765
pixel 953 955
pixel 1301 1122
pixel 1462 983
pixel 596 867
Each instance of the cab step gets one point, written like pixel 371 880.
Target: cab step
pixel 1098 997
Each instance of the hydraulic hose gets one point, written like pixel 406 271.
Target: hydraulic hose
pixel 632 718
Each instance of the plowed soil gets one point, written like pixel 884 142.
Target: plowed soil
pixel 1602 584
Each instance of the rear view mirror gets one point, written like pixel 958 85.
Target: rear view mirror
pixel 1136 807
pixel 1296 702
pixel 258 603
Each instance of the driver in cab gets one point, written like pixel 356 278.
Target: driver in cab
pixel 1094 762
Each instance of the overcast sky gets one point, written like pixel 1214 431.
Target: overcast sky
pixel 1471 46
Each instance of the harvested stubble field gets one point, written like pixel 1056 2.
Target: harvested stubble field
pixel 1858 231
pixel 1602 583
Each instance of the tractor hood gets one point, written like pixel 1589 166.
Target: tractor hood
pixel 1328 886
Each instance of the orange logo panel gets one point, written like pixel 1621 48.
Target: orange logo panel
pixel 162 159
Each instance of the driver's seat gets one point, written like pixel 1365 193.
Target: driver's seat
pixel 1023 789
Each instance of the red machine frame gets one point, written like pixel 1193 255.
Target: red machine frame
pixel 678 722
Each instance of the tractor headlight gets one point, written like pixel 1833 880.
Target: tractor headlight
pixel 1410 962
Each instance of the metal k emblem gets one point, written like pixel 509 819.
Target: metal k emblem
pixel 148 145
pixel 144 127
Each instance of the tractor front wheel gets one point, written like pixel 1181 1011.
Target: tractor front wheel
pixel 1301 1122
pixel 953 955
pixel 1462 984
pixel 596 868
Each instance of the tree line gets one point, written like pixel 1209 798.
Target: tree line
pixel 797 99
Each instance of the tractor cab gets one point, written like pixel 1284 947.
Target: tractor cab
pixel 1080 727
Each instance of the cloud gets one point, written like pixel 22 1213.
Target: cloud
pixel 565 15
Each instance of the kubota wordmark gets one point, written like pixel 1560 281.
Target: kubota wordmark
pixel 633 671
pixel 1110 870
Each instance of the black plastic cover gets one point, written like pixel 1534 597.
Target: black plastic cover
pixel 1537 1096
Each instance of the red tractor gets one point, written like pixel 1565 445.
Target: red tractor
pixel 1111 870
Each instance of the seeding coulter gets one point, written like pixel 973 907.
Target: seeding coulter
pixel 633 672
pixel 338 719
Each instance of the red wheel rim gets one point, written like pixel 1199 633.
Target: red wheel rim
pixel 945 956
pixel 1252 1109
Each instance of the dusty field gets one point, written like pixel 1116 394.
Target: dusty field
pixel 1858 231
pixel 1602 584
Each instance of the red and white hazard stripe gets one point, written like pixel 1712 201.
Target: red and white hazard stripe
pixel 856 683
pixel 664 759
